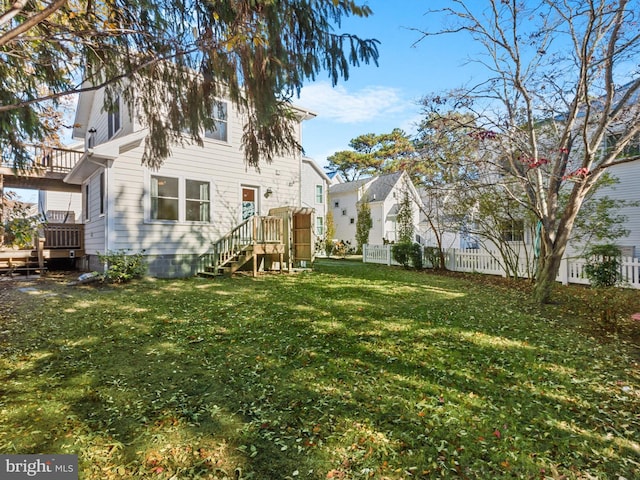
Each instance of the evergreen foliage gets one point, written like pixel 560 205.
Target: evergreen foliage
pixel 170 61
pixel 363 225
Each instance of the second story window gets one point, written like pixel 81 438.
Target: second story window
pixel 113 119
pixel 319 194
pixel 220 121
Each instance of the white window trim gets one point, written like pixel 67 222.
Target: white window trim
pixel 321 193
pixel 182 199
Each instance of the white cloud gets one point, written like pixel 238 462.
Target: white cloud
pixel 342 106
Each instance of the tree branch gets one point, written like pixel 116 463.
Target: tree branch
pixel 31 22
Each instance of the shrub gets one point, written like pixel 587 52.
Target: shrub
pixel 121 267
pixel 603 270
pixel 603 265
pixel 21 231
pixel 407 253
pixel 433 256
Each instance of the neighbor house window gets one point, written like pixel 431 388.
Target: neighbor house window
pixel 352 220
pixel 219 115
pixel 198 201
pixel 164 198
pixel 319 194
pixel 336 204
pixel 513 231
pixel 319 226
pixel 113 119
pixel 344 212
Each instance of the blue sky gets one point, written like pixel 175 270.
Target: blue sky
pixel 379 99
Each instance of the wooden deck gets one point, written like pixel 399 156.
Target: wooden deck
pixel 45 170
pixel 58 240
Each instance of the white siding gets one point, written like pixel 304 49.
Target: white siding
pixel 310 180
pixel 61 202
pixel 223 165
pixel 94 230
pixel 345 230
pixel 627 188
pixel 98 120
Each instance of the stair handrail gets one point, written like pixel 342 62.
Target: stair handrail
pixel 255 229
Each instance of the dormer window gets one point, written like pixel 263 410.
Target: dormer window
pixel 114 118
pixel 220 118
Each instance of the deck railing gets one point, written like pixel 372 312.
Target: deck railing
pixel 253 231
pixel 64 235
pixel 43 159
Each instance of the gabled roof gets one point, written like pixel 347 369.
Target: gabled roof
pixel 317 168
pixel 354 186
pixel 101 156
pixel 380 189
pixel 377 189
pixel 83 111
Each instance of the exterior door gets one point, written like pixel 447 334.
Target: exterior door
pixel 249 202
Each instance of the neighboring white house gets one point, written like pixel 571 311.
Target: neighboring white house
pixel 627 188
pixel 314 185
pixel 384 194
pixel 175 212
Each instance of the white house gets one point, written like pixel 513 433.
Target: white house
pixel 314 186
pixel 175 212
pixel 384 194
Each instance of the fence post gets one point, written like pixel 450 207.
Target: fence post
pixel 364 252
pixel 451 259
pixel 388 254
pixel 564 271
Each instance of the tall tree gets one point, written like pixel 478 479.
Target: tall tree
pixel 169 60
pixel 373 154
pixel 562 82
pixel 447 145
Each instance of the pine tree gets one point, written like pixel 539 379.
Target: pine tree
pixel 169 60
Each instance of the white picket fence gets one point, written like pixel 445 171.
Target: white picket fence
pixel 482 261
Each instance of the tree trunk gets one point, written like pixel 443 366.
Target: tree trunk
pixel 546 276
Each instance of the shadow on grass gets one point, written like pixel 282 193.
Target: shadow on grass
pixel 347 372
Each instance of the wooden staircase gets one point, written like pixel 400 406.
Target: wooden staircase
pixel 257 239
pixel 23 261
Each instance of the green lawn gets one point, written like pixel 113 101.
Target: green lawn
pixel 351 371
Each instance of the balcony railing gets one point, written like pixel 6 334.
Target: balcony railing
pixel 64 235
pixel 42 160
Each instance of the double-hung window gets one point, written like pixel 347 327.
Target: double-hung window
pixel 319 226
pixel 179 199
pixel 219 115
pixel 113 118
pixel 198 201
pixel 319 194
pixel 165 199
pixel 513 230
